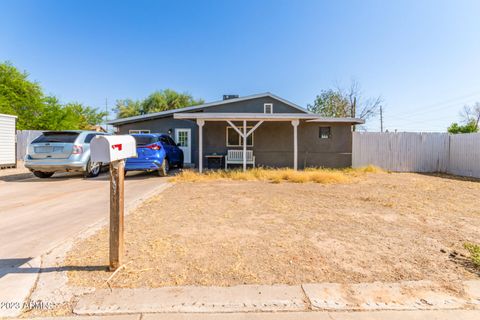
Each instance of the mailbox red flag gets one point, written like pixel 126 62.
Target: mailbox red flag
pixel 117 146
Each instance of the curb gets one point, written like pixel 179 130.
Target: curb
pixel 377 296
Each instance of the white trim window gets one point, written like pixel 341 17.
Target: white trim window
pixel 268 108
pixel 234 140
pixel 138 131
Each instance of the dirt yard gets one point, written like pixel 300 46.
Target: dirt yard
pixel 381 227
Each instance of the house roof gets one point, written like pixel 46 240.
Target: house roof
pixel 202 106
pixel 232 116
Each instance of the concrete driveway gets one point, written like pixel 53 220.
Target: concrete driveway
pixel 37 214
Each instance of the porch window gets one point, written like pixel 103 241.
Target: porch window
pixel 268 108
pixel 325 133
pixel 138 131
pixel 234 139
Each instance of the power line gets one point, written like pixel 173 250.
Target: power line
pixel 449 101
pixel 425 110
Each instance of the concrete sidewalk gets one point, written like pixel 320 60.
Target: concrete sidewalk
pixel 318 315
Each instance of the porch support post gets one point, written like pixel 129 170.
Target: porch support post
pixel 244 145
pixel 200 123
pixel 295 124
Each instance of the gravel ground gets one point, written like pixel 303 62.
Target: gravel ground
pixel 382 227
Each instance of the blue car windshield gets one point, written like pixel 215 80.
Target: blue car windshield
pixel 145 140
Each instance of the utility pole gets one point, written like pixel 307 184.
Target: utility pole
pixel 381 119
pixel 354 109
pixel 106 114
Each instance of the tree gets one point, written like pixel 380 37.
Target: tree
pixel 470 127
pixel 345 103
pixel 20 97
pixel 25 99
pixel 128 108
pixel 471 114
pixel 330 103
pixel 471 119
pixel 156 102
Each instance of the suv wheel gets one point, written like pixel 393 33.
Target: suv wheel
pixel 42 175
pixel 93 169
pixel 163 170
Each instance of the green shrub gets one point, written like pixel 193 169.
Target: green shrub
pixel 474 250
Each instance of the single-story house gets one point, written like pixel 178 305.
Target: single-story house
pixel 279 133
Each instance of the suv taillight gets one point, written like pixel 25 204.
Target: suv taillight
pixel 153 147
pixel 77 149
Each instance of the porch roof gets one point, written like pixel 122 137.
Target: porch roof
pixel 230 116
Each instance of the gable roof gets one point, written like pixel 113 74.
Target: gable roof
pixel 234 116
pixel 162 114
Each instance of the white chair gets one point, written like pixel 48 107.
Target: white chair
pixel 236 157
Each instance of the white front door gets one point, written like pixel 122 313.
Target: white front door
pixel 183 137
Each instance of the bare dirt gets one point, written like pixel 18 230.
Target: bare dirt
pixel 382 227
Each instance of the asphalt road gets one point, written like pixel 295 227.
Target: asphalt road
pixel 38 214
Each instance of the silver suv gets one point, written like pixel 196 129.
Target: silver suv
pixel 62 151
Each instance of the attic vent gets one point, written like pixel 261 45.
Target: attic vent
pixel 230 96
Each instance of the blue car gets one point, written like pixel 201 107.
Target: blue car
pixel 155 152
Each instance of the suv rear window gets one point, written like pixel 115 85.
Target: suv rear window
pixel 144 140
pixel 63 137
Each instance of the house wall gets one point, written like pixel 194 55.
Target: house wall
pixel 254 106
pixel 273 144
pixel 273 141
pixel 162 125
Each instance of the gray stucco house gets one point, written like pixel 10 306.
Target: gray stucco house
pixel 279 133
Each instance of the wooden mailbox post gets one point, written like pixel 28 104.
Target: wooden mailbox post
pixel 114 150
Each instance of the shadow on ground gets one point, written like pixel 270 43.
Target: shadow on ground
pixel 17 265
pixel 465 262
pixel 449 176
pixel 75 175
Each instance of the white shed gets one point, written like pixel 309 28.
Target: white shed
pixel 8 153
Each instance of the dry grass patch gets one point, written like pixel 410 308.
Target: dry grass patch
pixel 382 227
pixel 474 250
pixel 317 175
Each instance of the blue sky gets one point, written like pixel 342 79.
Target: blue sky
pixel 422 57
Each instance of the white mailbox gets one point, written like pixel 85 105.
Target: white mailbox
pixel 106 149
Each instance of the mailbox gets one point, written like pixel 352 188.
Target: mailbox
pixel 106 149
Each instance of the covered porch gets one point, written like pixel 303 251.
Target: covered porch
pixel 245 124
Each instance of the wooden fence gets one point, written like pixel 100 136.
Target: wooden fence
pixel 464 156
pixel 418 152
pixel 24 137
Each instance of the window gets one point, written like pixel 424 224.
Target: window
pixel 268 108
pixel 89 137
pixel 138 131
pixel 164 140
pixel 182 138
pixel 57 136
pixel 145 140
pixel 171 141
pixel 325 133
pixel 234 139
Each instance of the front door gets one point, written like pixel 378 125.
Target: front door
pixel 183 137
